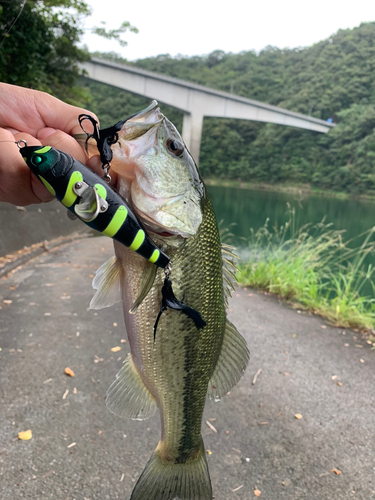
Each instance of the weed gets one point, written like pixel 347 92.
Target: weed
pixel 315 267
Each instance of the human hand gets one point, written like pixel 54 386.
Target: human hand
pixel 38 119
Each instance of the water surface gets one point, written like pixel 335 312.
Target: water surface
pixel 249 208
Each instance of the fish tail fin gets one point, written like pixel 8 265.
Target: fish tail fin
pixel 162 480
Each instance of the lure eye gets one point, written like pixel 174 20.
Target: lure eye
pixel 36 160
pixel 175 147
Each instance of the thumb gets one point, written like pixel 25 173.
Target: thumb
pixel 62 141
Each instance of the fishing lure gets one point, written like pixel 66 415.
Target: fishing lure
pixel 88 197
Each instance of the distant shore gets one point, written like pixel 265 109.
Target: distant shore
pixel 305 189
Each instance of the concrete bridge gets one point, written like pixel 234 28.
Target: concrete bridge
pixel 195 101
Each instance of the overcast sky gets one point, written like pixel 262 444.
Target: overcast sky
pixel 196 27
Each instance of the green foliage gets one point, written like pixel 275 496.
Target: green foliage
pixel 38 45
pixel 40 50
pixel 314 267
pixel 334 79
pixel 116 33
pixel 111 105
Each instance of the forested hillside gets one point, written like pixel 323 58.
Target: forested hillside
pixel 39 45
pixel 334 79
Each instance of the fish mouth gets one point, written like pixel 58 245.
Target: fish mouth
pixel 140 123
pixel 136 135
pixel 150 113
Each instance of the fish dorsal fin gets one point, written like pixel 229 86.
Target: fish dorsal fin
pixel 107 284
pixel 231 364
pixel 229 270
pixel 148 278
pixel 128 396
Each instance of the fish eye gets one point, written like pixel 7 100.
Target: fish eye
pixel 175 147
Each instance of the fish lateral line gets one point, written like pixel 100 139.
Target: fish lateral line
pixel 169 300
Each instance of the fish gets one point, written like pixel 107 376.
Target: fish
pixel 89 198
pixel 176 370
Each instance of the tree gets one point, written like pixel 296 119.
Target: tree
pixel 39 45
pixel 331 79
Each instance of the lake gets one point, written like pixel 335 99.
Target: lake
pixel 249 208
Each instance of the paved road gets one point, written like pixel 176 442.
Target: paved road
pixel 259 442
pixel 20 226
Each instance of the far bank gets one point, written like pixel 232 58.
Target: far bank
pixel 295 189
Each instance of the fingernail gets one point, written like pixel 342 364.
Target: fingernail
pixel 12 130
pixel 45 132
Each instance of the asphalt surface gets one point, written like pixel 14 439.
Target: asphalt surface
pixel 324 374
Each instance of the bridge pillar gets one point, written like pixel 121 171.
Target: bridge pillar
pixel 192 133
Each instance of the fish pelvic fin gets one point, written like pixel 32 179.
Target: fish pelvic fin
pixel 166 480
pixel 231 364
pixel 128 396
pixel 148 278
pixel 107 283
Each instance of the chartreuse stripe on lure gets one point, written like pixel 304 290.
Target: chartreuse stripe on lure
pixel 91 199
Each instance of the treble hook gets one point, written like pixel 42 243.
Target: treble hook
pixel 105 138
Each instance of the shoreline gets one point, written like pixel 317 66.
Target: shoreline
pixel 304 189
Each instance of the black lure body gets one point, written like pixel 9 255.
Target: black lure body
pixel 91 199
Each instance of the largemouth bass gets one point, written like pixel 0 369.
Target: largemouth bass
pixel 177 369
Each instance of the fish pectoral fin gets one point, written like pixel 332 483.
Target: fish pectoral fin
pixel 128 396
pixel 148 278
pixel 231 364
pixel 107 284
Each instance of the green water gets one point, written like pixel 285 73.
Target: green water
pixel 249 208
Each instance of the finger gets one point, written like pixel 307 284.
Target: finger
pixel 39 110
pixel 12 130
pixel 16 177
pixel 37 188
pixel 58 114
pixel 62 141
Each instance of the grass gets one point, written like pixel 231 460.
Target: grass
pixel 314 267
